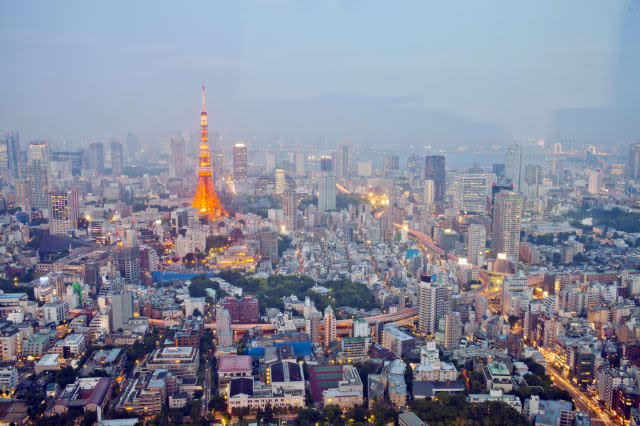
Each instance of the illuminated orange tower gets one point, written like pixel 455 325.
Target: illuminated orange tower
pixel 206 199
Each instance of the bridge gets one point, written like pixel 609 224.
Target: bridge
pixel 405 317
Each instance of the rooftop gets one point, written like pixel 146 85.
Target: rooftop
pixel 234 363
pixel 498 369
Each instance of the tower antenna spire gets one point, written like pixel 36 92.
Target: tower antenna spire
pixel 203 103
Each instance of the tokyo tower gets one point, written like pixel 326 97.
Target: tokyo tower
pixel 206 200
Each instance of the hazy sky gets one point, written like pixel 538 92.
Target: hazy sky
pixel 383 72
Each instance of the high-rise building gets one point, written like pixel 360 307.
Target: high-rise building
pixel 96 157
pixel 128 262
pixel 177 157
pixel 596 178
pixel 633 162
pixel 37 175
pixel 511 286
pixel 429 193
pixel 391 163
pixel 9 156
pixel 452 330
pixel 121 309
pixel 96 230
pixel 299 163
pixel 326 164
pixel 533 178
pixel 63 211
pixel 432 305
pixel 343 161
pixel 74 158
pixel 117 161
pixel 327 192
pixel 239 162
pixel 206 200
pixel 290 209
pixel 513 165
pixel 268 240
pixel 495 189
pixel 506 224
pixel 330 332
pixel 312 325
pixel 470 192
pixel 476 242
pixel 133 146
pixel 434 169
pixel 280 181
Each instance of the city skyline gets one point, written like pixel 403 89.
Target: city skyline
pixel 536 87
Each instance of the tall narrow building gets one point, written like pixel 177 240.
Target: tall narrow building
pixel 239 162
pixel 177 157
pixel 330 332
pixel 432 305
pixel 63 211
pixel 327 192
pixel 343 161
pixel 452 330
pixel 117 161
pixel 37 175
pixel 513 166
pixel 476 242
pixel 434 169
pixel 506 224
pixel 290 210
pixel 299 159
pixel 9 156
pixel 632 170
pixel 121 309
pixel 96 157
pixel 206 200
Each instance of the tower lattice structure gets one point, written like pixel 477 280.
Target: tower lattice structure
pixel 206 200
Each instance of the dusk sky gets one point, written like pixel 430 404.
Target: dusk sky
pixel 386 73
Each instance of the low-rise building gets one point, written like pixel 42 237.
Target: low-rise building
pixel 74 345
pixel 87 393
pixel 496 395
pixel 8 379
pixel 49 362
pixel 349 391
pixel 397 341
pixel 246 392
pixel 233 366
pixel 181 361
pixel 497 376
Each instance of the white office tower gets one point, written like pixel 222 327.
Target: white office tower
pixel 299 163
pixel 429 193
pixel 121 309
pixel 513 165
pixel 223 327
pixel 512 287
pixel 281 181
pixel 327 192
pixel 330 332
pixel 432 305
pixel 596 180
pixel 360 328
pixel 476 242
pixel 470 192
pixel 506 224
